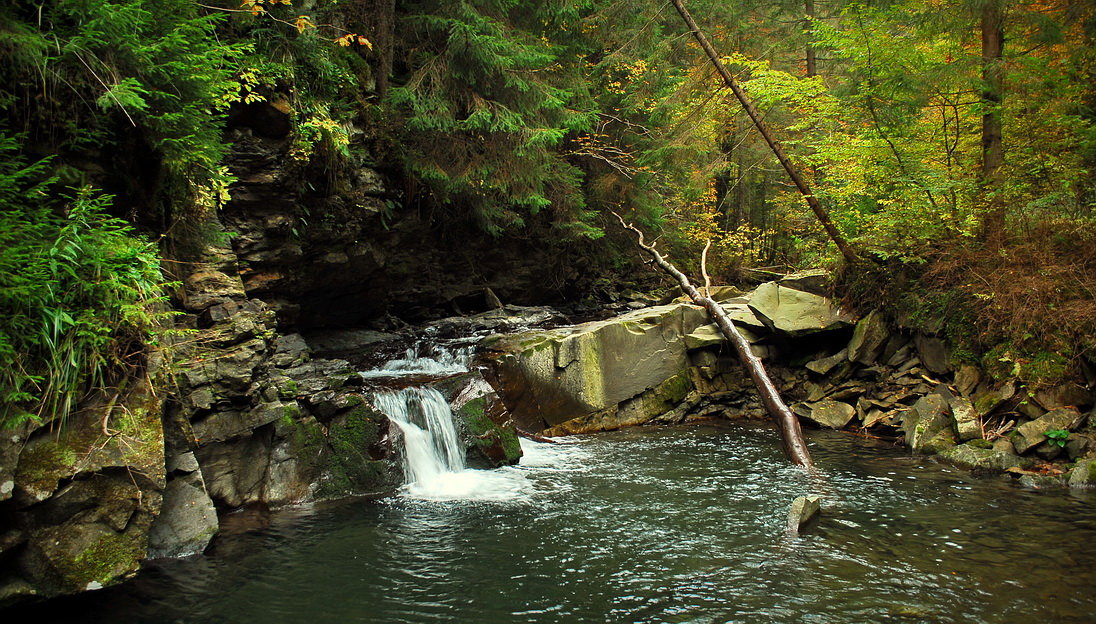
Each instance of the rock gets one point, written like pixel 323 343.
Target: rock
pixel 825 365
pixel 187 520
pixel 204 288
pixel 933 353
pixel 1041 481
pixel 484 424
pixel 973 456
pixel 1029 435
pixel 549 377
pixel 967 424
pixel 1076 446
pixel 868 339
pixel 804 509
pixel 832 414
pixel 967 379
pixel 987 398
pixel 1083 475
pixel 1068 394
pixel 927 426
pixel 1027 406
pixel 813 281
pixel 704 336
pixel 1047 451
pixel 794 312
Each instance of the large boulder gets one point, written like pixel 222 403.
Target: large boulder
pixel 794 312
pixel 546 378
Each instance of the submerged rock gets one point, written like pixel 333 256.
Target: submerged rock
pixel 804 509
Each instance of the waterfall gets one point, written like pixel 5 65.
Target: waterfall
pixel 431 446
pixel 433 457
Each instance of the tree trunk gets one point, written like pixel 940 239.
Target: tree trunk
pixel 812 69
pixel 791 434
pixel 993 149
pixel 774 145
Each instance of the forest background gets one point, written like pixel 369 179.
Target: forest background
pixel 953 143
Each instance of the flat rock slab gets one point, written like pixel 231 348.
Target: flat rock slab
pixel 794 312
pixel 1031 434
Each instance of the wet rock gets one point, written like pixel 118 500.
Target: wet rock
pixel 927 426
pixel 975 456
pixel 794 312
pixel 1029 435
pixel 1083 475
pixel 485 426
pixel 868 339
pixel 1041 481
pixel 804 509
pixel 933 353
pixel 828 413
pixel 187 520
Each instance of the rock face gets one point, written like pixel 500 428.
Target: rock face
pixel 547 378
pixel 82 502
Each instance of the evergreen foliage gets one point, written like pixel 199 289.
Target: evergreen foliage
pixel 491 97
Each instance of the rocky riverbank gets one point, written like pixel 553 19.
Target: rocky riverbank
pixel 668 364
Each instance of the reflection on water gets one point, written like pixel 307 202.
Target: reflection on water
pixel 671 525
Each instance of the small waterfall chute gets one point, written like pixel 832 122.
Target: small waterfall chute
pixel 433 457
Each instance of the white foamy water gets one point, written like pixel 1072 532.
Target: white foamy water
pixel 433 458
pixel 422 359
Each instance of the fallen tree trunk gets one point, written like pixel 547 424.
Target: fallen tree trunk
pixel 791 434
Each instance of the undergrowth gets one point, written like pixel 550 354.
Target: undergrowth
pixel 79 293
pixel 1026 310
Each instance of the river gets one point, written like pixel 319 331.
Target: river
pixel 678 524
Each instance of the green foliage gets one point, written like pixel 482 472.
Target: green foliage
pixel 1057 437
pixel 491 97
pixel 78 292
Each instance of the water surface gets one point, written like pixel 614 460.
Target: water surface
pixel 681 524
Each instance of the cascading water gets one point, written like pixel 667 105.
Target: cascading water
pixel 432 448
pixel 433 457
